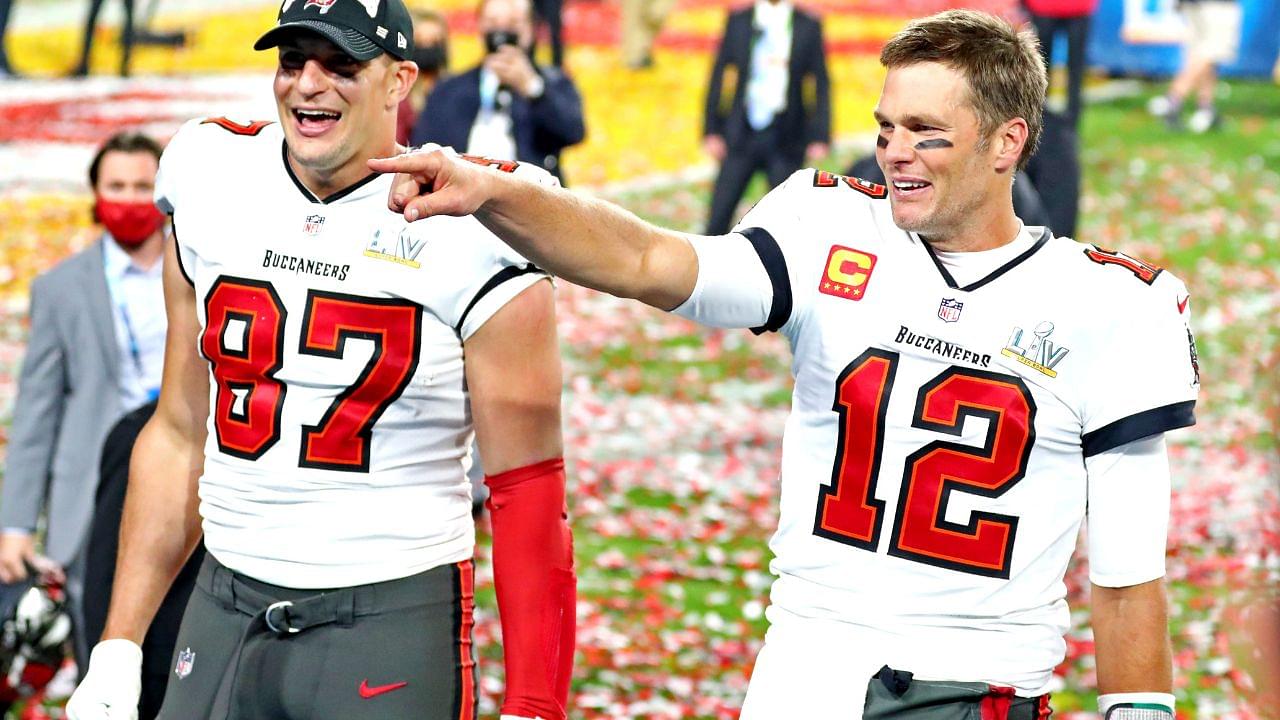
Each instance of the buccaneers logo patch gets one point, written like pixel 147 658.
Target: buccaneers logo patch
pixel 847 273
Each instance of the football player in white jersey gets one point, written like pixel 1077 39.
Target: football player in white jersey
pixel 325 367
pixel 967 389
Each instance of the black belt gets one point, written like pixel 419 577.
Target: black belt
pixel 288 610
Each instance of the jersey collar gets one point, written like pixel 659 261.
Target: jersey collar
pixel 1045 234
pixel 310 196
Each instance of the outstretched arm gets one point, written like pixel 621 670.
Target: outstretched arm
pixel 513 373
pixel 586 241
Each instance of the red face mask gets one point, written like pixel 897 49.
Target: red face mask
pixel 128 222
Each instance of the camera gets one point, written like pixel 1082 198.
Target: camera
pixel 495 39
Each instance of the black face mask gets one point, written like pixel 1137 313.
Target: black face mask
pixel 431 58
pixel 495 39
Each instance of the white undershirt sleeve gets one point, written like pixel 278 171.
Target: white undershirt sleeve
pixel 1128 512
pixel 733 289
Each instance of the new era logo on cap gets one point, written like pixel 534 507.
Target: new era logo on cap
pixel 364 29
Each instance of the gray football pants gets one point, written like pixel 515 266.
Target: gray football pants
pixel 400 649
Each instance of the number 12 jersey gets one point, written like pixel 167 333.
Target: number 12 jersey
pixel 934 463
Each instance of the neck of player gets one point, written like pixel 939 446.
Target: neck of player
pixel 323 182
pixel 986 227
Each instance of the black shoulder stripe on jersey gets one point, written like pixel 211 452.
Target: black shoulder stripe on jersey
pixel 503 275
pixel 1135 427
pixel 177 249
pixel 776 265
pixel 306 192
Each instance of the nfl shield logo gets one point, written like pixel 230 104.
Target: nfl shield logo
pixel 313 224
pixel 186 659
pixel 950 309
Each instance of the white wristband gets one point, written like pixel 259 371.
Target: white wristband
pixel 1148 704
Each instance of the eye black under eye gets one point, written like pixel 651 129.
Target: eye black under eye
pixel 343 65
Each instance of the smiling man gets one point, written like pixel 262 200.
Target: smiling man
pixel 966 388
pixel 315 417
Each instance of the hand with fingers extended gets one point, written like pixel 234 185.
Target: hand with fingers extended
pixel 435 181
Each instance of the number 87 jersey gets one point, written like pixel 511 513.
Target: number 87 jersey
pixel 934 467
pixel 339 425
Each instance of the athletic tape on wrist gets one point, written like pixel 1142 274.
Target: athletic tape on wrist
pixel 1136 706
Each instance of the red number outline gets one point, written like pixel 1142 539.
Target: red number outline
pixel 330 320
pixel 826 179
pixel 1144 271
pixel 235 128
pixel 506 166
pixel 250 310
pixel 921 518
pixel 848 511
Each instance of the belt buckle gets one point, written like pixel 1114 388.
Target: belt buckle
pixel 282 606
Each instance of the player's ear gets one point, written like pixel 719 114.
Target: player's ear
pixel 1008 142
pixel 400 78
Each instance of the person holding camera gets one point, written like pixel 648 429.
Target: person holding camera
pixel 507 107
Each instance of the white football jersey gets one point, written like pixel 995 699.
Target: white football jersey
pixel 933 473
pixel 339 427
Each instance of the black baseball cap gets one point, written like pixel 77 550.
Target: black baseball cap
pixel 364 29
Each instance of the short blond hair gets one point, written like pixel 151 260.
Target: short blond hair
pixel 1001 65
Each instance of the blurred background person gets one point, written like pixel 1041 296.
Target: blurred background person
pixel 95 352
pixel 431 53
pixel 6 70
pixel 1070 18
pixel 641 22
pixel 549 13
pixel 768 105
pixel 1054 175
pixel 507 107
pixel 1213 38
pixel 126 38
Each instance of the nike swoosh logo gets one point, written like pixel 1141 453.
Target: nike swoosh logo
pixel 367 692
pixel 1182 304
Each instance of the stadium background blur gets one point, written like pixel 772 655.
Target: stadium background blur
pixel 673 432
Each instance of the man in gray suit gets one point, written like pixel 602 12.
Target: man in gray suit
pixel 95 352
